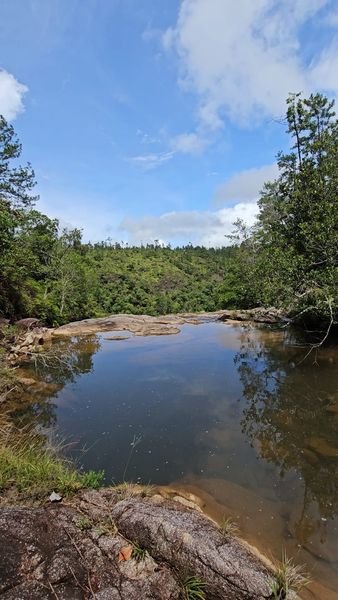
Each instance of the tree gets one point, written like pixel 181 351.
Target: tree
pixel 26 236
pixel 67 282
pixel 296 237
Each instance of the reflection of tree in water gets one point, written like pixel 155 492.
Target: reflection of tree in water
pixel 67 358
pixel 292 416
pixel 52 370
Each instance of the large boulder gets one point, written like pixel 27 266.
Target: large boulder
pixel 118 545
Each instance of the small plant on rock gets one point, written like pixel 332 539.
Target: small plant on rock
pixel 107 526
pixel 92 479
pixel 194 588
pixel 288 578
pixel 138 553
pixel 228 527
pixel 84 524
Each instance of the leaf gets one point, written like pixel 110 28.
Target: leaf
pixel 125 553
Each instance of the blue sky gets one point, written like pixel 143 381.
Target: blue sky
pixel 148 119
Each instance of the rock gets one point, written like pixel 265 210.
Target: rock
pixel 190 543
pixel 54 497
pixel 257 315
pixel 45 553
pixel 143 325
pixel 116 338
pixel 28 323
pixel 29 342
pixel 138 325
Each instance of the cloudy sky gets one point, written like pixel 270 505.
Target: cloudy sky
pixel 148 119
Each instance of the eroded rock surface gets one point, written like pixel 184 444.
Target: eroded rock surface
pixel 144 325
pixel 80 551
pixel 29 341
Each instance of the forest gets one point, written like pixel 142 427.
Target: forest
pixel 289 259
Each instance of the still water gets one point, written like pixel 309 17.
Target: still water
pixel 230 412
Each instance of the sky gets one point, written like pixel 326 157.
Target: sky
pixel 159 119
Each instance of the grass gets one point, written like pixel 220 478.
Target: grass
pixel 84 524
pixel 139 553
pixel 194 588
pixel 8 381
pixel 130 490
pixel 106 526
pixel 29 466
pixel 136 441
pixel 228 527
pixel 288 578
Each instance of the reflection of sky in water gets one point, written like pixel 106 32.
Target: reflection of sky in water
pixel 222 408
pixel 163 389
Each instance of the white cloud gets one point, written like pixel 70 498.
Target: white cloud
pixel 11 95
pixel 185 143
pixel 151 161
pixel 207 228
pixel 246 185
pixel 188 143
pixel 243 58
pixel 326 69
pixel 96 216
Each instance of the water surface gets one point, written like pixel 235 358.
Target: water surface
pixel 232 411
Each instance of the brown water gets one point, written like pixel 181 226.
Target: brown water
pixel 231 411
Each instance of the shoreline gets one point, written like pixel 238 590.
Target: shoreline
pixel 143 325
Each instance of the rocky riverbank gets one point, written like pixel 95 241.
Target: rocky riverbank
pixel 31 337
pixel 127 542
pixel 124 544
pixel 144 325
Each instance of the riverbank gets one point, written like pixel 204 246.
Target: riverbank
pixel 129 543
pixel 145 325
pixel 32 516
pixel 27 337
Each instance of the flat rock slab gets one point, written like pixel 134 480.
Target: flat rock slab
pixel 84 550
pixel 144 325
pixel 138 325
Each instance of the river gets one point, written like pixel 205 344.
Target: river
pixel 235 413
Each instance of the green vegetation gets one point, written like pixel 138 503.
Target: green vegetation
pixel 138 553
pixel 228 527
pixel 29 466
pixel 53 276
pixel 288 578
pixel 84 524
pixel 289 259
pixel 194 588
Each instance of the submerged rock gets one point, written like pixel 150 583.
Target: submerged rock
pixel 84 551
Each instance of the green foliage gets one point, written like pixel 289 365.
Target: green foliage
pixel 138 553
pixel 84 524
pixel 30 466
pixel 291 257
pixel 289 579
pixel 26 464
pixel 53 276
pixel 92 479
pixel 194 588
pixel 228 527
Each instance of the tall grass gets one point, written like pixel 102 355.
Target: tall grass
pixel 289 578
pixel 30 466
